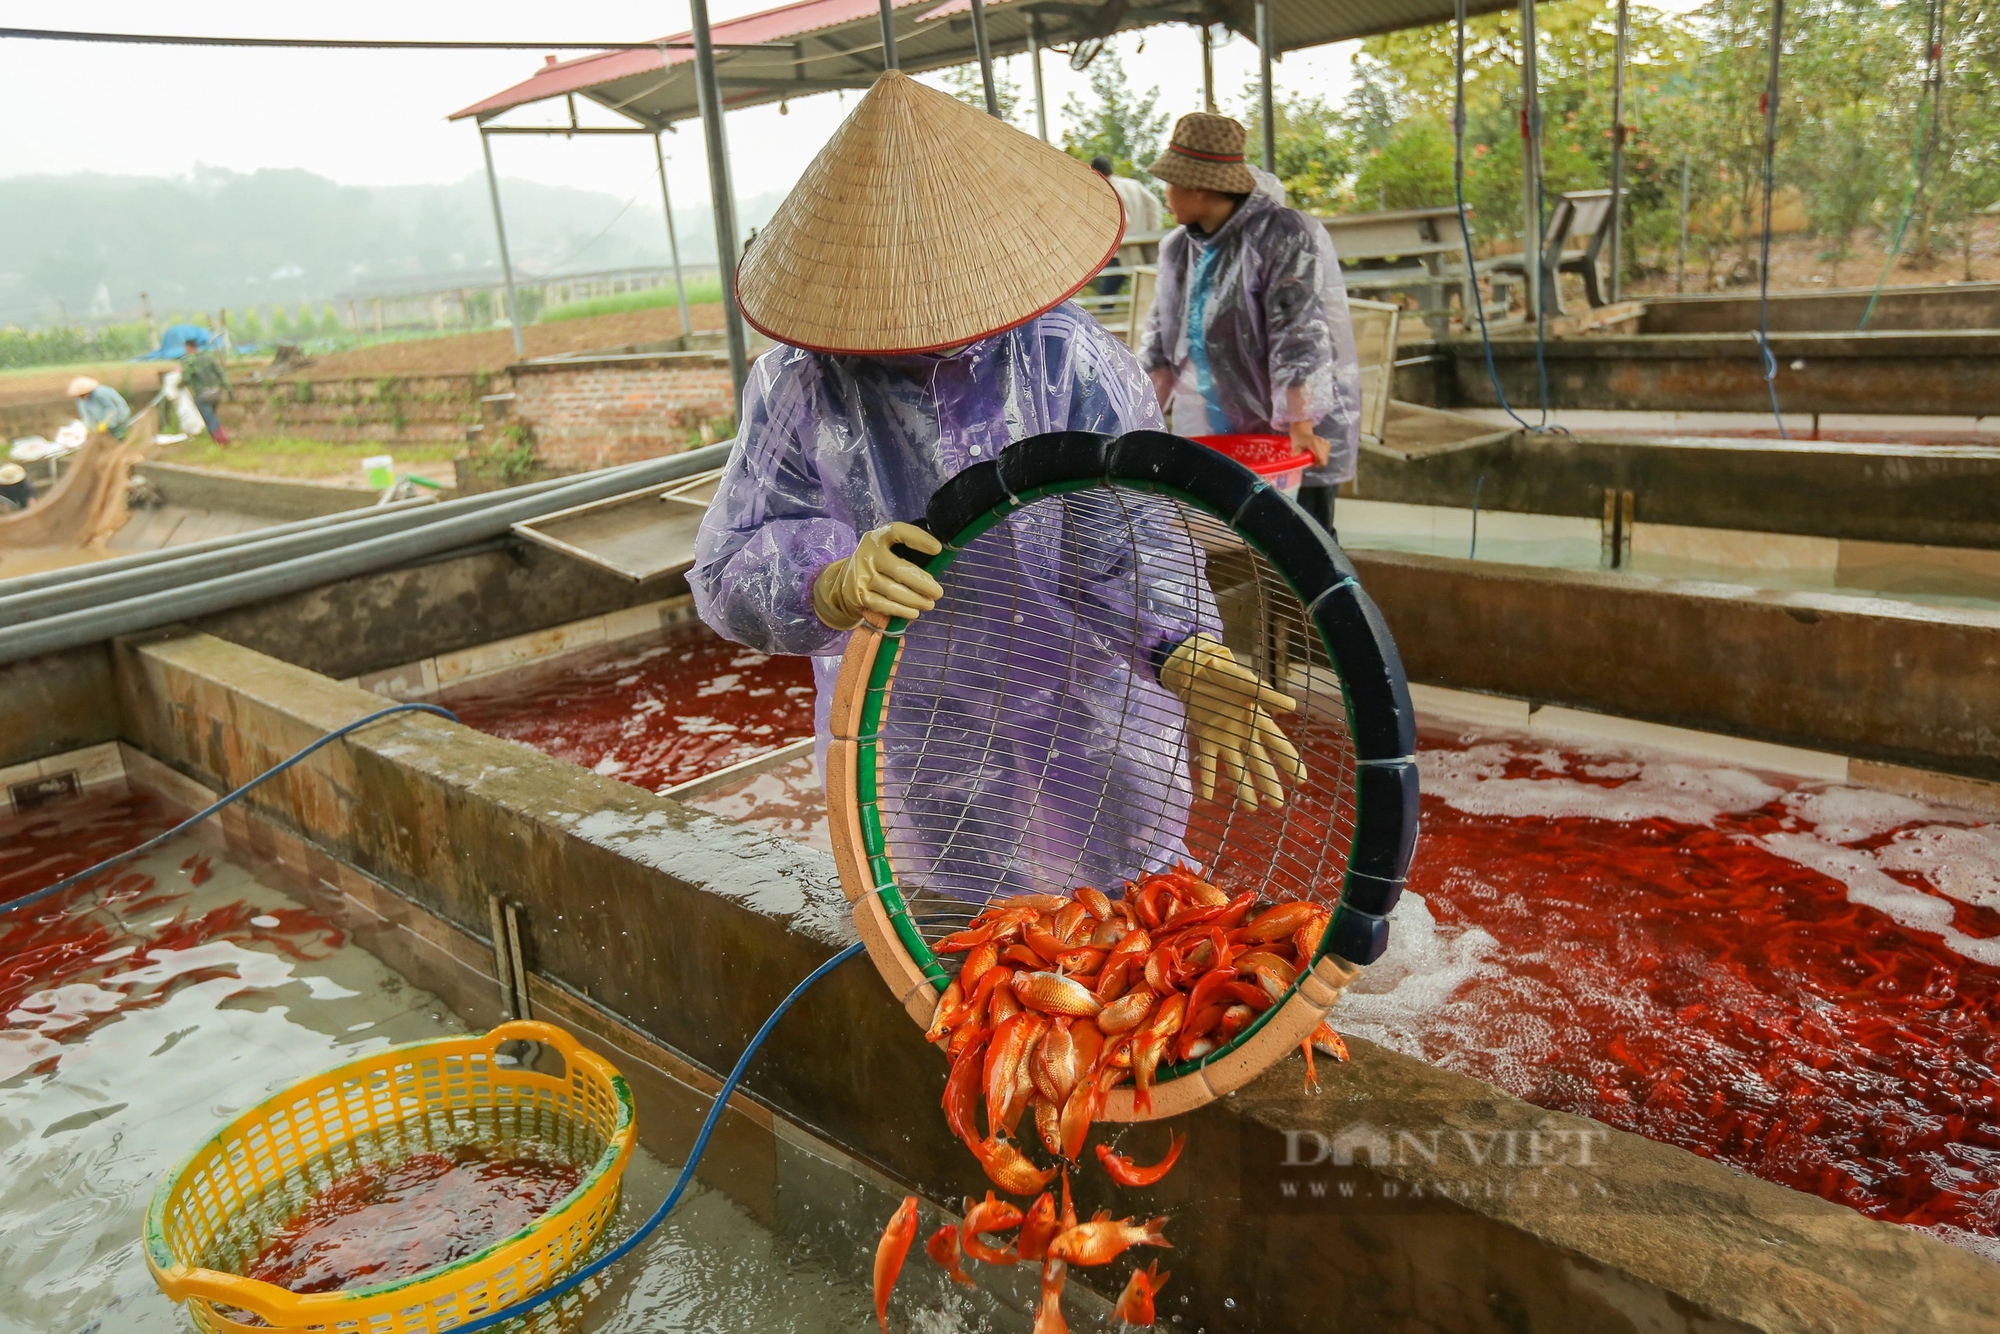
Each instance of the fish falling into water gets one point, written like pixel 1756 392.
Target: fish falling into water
pixel 1060 1000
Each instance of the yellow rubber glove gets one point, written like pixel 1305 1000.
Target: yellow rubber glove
pixel 875 579
pixel 1229 719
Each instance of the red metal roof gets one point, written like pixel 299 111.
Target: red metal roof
pixel 772 25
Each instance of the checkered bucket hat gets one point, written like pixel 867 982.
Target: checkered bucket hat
pixel 1206 154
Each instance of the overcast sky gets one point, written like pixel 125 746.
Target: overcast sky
pixel 368 118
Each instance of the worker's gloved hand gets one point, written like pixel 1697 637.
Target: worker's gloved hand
pixel 876 579
pixel 1229 719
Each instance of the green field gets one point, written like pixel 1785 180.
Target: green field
pixel 293 456
pixel 705 292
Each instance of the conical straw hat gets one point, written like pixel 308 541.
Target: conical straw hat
pixel 925 223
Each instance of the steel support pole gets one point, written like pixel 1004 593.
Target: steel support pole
pixel 1035 65
pixel 1618 147
pixel 673 241
pixel 985 50
pixel 722 195
pixel 1532 257
pixel 888 38
pixel 500 230
pixel 1264 105
pixel 1681 251
pixel 1207 69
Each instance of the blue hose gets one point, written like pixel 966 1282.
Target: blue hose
pixel 625 1247
pixel 69 882
pixel 729 1085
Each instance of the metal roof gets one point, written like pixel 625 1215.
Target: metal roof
pixel 819 45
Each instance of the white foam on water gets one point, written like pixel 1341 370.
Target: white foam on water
pixel 1870 886
pixel 1851 814
pixel 1474 781
pixel 1397 999
pixel 1962 863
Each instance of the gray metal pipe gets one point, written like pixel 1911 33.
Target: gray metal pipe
pixel 722 199
pixel 984 48
pixel 69 574
pixel 1618 147
pixel 133 615
pixel 673 243
pixel 499 230
pixel 243 551
pixel 1035 64
pixel 1265 108
pixel 888 37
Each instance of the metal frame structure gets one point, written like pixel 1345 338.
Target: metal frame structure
pixel 824 45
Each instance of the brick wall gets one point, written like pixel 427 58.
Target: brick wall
pixel 596 411
pixel 389 408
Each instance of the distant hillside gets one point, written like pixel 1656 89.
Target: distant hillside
pixel 89 244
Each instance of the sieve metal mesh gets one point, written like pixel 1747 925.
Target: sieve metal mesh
pixel 1041 770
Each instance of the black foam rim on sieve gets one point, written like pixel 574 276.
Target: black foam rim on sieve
pixel 1381 720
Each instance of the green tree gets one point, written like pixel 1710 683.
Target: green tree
pixel 281 323
pixel 248 326
pixel 1314 146
pixel 1411 170
pixel 964 83
pixel 1841 180
pixel 1115 122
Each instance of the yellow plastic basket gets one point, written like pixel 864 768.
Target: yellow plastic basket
pixel 204 1214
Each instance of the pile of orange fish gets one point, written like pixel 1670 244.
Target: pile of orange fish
pixel 1058 1001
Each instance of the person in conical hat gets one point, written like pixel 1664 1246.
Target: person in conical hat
pixel 921 329
pixel 1249 330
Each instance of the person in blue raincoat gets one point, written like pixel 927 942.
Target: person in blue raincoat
pixel 1249 332
pixel 101 407
pixel 921 331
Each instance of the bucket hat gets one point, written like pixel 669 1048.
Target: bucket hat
pixel 12 474
pixel 1206 154
pixel 924 224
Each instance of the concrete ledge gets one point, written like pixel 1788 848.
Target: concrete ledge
pixel 390 621
pixel 1861 677
pixel 1947 373
pixel 685 930
pixel 1881 493
pixel 264 497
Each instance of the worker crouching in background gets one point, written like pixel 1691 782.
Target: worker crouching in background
pixel 1249 332
pixel 101 407
pixel 16 491
pixel 922 330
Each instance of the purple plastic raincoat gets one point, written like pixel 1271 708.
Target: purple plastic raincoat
pixel 1246 315
pixel 1067 767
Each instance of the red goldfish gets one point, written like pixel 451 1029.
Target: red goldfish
pixel 1102 1240
pixel 1128 1173
pixel 1135 1304
pixel 1038 1228
pixel 889 1253
pixel 1053 993
pixel 1009 1169
pixel 943 1248
pixel 991 1214
pixel 1049 1316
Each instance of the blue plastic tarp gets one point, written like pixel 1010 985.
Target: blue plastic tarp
pixel 175 340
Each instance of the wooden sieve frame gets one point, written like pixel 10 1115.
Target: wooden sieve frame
pixel 1381 726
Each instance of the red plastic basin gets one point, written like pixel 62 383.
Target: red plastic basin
pixel 1271 457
